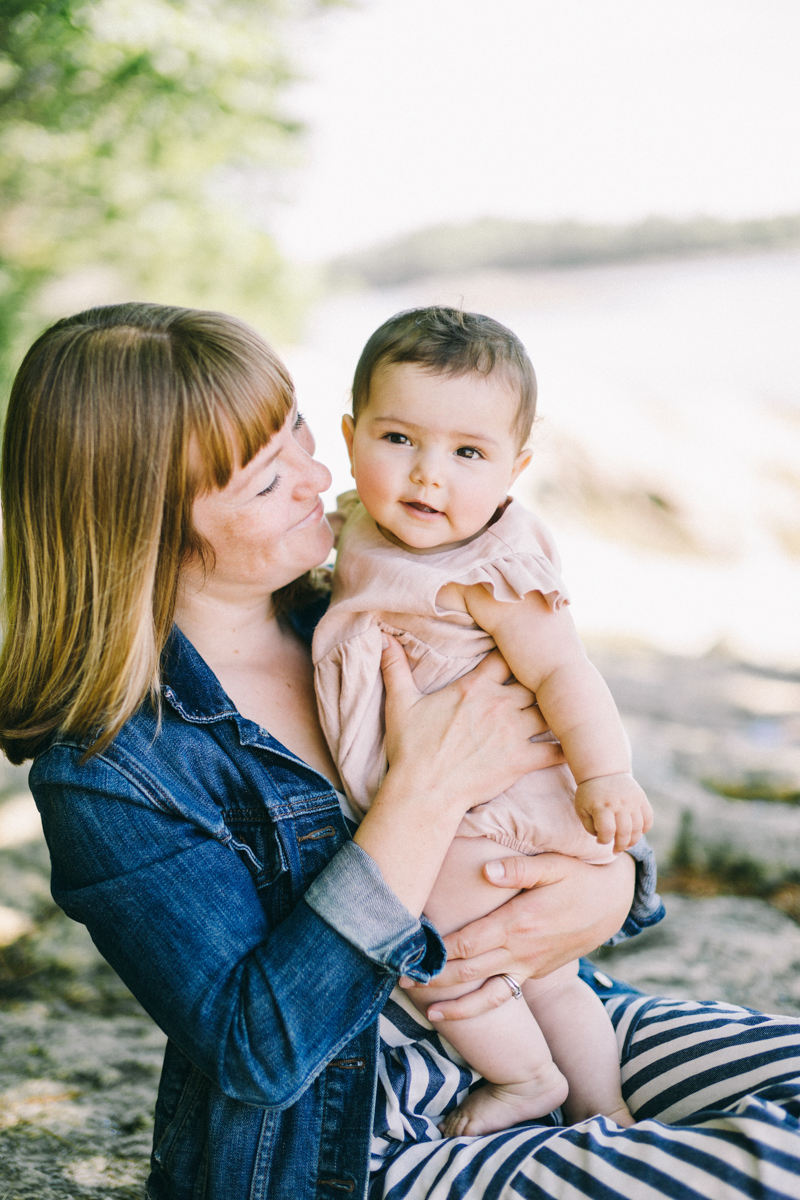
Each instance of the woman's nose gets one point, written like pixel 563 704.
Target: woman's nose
pixel 314 477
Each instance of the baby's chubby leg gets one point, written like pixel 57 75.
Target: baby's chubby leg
pixel 505 1044
pixel 581 1039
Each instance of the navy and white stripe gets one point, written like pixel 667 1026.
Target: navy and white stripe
pixel 715 1090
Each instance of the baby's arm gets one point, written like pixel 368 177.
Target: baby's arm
pixel 544 652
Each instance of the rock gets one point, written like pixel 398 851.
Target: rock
pixel 700 723
pixel 77 1093
pixel 722 948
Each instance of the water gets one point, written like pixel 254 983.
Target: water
pixel 667 457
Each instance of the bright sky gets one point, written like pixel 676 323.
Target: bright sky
pixel 424 111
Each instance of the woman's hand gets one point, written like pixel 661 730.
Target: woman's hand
pixel 566 908
pixel 447 751
pixel 470 740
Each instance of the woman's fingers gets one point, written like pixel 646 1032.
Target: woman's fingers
pixel 479 937
pixel 494 993
pixel 563 908
pixel 401 691
pixel 496 668
pixel 394 665
pixel 524 871
pixel 471 970
pixel 465 743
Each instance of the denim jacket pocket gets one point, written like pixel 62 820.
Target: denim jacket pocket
pixel 256 839
pixel 178 1152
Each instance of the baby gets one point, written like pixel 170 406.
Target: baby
pixel 437 555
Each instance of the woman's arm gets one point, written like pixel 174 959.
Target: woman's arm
pixel 178 915
pixel 182 919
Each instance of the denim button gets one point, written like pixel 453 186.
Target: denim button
pixel 602 979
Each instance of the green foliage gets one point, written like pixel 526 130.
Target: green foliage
pixel 115 116
pixel 756 785
pixel 683 852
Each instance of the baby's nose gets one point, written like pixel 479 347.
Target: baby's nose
pixel 427 470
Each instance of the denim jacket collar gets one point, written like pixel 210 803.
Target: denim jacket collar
pixel 190 685
pixel 192 689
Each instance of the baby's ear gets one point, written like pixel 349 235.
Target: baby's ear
pixel 522 461
pixel 348 430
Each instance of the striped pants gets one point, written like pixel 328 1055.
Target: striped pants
pixel 715 1090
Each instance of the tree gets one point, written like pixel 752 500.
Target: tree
pixel 117 118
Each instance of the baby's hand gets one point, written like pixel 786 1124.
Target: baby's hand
pixel 615 809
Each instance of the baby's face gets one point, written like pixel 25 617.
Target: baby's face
pixel 433 456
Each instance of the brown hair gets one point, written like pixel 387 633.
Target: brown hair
pixel 449 341
pixel 97 494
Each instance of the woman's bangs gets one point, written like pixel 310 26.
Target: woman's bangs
pixel 238 419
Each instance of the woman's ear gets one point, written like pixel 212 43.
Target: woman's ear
pixel 520 463
pixel 348 430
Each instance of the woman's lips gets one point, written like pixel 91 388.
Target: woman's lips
pixel 315 515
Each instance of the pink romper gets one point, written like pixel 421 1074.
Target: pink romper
pixel 379 586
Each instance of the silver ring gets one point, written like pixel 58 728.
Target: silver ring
pixel 516 990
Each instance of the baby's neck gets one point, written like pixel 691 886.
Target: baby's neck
pixel 444 546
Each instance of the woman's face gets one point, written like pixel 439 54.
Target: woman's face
pixel 267 525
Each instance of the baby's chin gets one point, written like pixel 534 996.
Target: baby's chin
pixel 427 537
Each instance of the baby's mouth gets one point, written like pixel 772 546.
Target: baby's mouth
pixel 418 506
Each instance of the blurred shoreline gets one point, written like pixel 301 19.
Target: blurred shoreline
pixel 667 449
pixel 496 243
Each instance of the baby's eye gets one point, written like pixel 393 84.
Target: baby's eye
pixel 397 439
pixel 468 452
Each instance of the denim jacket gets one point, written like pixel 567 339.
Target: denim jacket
pixel 215 873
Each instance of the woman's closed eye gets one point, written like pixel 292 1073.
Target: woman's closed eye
pixel 271 487
pixel 299 421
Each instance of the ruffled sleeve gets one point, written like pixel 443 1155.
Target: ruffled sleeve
pixel 511 576
pixel 346 504
pixel 522 557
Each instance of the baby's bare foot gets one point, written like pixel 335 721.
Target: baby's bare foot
pixel 501 1105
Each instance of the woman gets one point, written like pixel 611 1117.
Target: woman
pixel 161 512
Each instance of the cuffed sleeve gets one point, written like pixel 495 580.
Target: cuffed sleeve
pixel 647 908
pixel 352 897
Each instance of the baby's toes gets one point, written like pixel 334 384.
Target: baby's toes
pixel 455 1123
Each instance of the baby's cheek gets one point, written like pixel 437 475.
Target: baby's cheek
pixel 474 507
pixel 377 487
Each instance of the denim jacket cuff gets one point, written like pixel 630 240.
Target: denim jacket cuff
pixel 352 897
pixel 647 908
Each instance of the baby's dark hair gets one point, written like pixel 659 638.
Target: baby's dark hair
pixel 448 341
